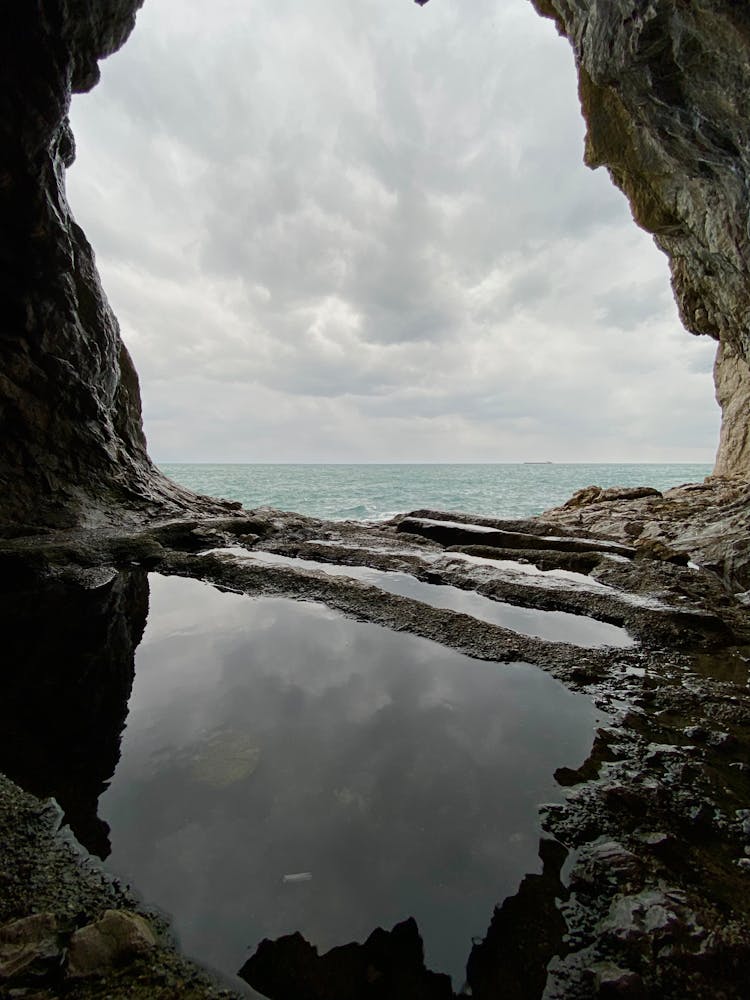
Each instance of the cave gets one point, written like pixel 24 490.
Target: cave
pixel 665 92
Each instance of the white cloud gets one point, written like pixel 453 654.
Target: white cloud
pixel 364 232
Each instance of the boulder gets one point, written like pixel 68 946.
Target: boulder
pixel 115 940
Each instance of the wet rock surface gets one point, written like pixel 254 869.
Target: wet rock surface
pixel 644 864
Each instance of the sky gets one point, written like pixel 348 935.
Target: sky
pixel 338 232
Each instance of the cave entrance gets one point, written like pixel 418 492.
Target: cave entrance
pixel 368 236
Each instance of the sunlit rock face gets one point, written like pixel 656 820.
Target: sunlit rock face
pixel 73 445
pixel 665 90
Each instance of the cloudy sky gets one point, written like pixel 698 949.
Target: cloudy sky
pixel 339 231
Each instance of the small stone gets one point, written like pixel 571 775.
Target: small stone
pixel 116 939
pixel 696 733
pixel 612 981
pixel 656 839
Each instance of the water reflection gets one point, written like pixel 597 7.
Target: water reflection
pixel 68 652
pixel 555 626
pixel 286 769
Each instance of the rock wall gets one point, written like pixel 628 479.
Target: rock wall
pixel 665 91
pixel 73 446
pixel 732 380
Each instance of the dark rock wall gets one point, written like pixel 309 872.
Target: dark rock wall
pixel 73 449
pixel 665 91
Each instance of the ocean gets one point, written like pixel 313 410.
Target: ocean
pixel 377 492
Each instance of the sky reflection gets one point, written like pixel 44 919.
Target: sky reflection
pixel 268 738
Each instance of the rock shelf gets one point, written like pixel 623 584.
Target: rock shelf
pixel 651 843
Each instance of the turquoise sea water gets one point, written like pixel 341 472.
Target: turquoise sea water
pixel 376 492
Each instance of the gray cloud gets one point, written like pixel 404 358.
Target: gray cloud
pixel 627 307
pixel 365 232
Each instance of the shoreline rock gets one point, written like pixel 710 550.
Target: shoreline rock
pixel 665 782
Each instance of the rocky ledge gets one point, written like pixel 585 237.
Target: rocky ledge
pixel 707 523
pixel 646 862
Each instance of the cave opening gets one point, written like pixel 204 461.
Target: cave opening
pixel 369 237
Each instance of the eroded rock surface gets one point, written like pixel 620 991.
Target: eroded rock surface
pixel 645 861
pixel 707 523
pixel 73 444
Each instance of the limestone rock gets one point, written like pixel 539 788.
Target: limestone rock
pixel 732 381
pixel 116 939
pixel 596 494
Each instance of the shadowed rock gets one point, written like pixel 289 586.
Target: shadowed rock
pixel 388 966
pixel 525 933
pixel 73 444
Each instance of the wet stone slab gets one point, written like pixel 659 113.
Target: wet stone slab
pixel 555 626
pixel 286 769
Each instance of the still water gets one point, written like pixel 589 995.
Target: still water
pixel 555 626
pixel 284 768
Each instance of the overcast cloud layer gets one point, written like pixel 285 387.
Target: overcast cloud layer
pixel 363 232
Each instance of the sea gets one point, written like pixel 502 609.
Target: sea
pixel 378 492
